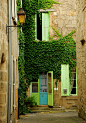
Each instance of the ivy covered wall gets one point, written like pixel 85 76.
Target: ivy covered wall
pixel 42 56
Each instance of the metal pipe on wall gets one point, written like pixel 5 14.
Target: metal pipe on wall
pixel 9 62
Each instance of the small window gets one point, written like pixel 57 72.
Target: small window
pixel 39 27
pixel 34 87
pixel 73 84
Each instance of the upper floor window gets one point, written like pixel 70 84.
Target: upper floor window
pixel 42 26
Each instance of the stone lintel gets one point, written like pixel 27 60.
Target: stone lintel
pixel 47 10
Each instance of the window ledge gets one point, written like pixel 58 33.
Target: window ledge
pixel 47 10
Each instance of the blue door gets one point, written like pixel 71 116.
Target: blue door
pixel 43 89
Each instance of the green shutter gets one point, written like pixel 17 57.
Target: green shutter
pixel 64 80
pixel 50 87
pixel 35 26
pixel 45 26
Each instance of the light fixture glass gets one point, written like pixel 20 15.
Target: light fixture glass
pixel 21 16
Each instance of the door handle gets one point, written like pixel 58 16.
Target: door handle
pixel 42 95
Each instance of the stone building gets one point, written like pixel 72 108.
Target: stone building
pixel 81 58
pixel 8 80
pixel 63 18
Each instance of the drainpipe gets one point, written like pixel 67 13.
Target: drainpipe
pixel 9 62
pixel 21 7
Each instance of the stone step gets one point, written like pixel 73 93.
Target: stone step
pixel 45 109
pixel 57 109
pixel 38 111
pixel 39 108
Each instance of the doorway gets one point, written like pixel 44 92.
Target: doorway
pixel 43 89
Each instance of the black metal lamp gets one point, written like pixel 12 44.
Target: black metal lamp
pixel 21 16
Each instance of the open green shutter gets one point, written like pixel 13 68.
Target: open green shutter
pixel 64 80
pixel 45 26
pixel 35 26
pixel 50 87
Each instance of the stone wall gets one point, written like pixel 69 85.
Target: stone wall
pixel 64 18
pixel 4 65
pixel 70 102
pixel 81 56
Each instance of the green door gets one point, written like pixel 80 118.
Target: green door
pixel 50 87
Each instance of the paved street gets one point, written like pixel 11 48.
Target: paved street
pixel 62 117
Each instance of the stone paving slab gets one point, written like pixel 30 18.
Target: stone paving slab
pixel 62 117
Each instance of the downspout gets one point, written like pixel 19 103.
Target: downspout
pixel 21 7
pixel 9 62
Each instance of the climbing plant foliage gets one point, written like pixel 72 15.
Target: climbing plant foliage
pixel 21 67
pixel 42 56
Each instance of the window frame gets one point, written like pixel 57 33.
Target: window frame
pixel 76 83
pixel 32 89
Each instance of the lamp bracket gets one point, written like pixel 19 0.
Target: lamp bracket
pixel 12 26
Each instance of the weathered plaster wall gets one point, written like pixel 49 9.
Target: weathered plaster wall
pixel 4 62
pixel 64 18
pixel 81 57
pixel 14 113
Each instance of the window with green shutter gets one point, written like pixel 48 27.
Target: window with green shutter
pixel 68 86
pixel 42 26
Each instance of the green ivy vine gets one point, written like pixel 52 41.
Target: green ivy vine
pixel 41 57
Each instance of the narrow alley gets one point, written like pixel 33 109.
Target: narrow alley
pixel 62 117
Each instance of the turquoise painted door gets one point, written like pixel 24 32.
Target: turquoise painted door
pixel 50 87
pixel 43 89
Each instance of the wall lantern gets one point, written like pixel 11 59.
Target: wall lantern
pixel 21 16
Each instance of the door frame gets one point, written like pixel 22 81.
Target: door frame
pixel 49 95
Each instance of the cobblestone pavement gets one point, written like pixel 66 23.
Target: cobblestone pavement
pixel 62 117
